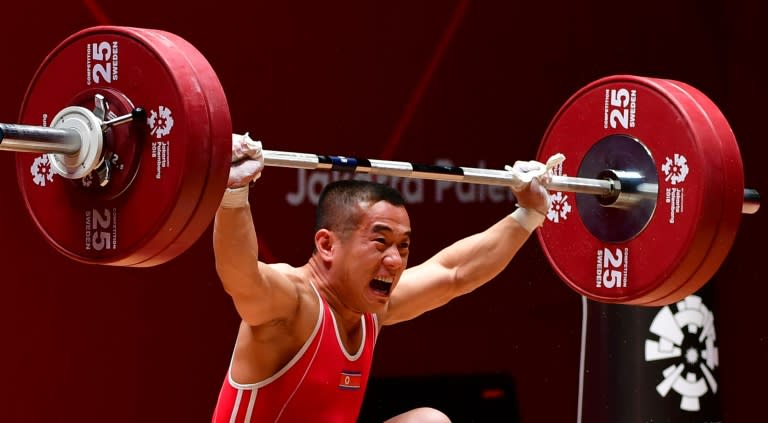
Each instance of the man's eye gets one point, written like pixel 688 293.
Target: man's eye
pixel 381 240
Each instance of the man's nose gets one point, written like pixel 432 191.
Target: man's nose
pixel 392 258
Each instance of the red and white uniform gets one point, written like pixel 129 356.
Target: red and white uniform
pixel 323 383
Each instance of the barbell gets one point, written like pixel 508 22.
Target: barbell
pixel 124 143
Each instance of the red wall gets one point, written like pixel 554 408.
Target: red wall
pixel 472 82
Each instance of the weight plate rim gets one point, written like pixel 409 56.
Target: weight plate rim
pixel 702 241
pixel 174 240
pixel 733 187
pixel 220 137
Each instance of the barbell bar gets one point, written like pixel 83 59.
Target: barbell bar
pixel 644 210
pixel 38 139
pixel 608 187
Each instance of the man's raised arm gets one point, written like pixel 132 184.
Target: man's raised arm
pixel 472 261
pixel 259 292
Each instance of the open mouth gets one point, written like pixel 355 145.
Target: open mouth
pixel 381 286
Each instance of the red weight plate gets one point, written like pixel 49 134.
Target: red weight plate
pixel 728 164
pixel 655 264
pixel 676 198
pixel 147 221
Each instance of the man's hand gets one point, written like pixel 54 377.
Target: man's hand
pixel 247 164
pixel 529 179
pixel 247 161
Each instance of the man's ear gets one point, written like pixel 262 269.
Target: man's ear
pixel 325 241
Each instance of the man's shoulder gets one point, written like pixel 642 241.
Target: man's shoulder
pixel 284 268
pixel 298 277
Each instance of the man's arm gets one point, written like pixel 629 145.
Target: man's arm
pixel 472 261
pixel 260 293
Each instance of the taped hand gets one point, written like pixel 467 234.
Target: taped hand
pixel 524 172
pixel 529 179
pixel 247 161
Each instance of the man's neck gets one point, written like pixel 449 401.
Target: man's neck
pixel 317 272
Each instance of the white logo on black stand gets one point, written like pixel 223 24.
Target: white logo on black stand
pixel 688 338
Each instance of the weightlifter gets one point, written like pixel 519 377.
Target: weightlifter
pixel 305 345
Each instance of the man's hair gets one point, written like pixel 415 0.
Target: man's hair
pixel 338 206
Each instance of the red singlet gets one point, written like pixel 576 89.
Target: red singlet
pixel 322 383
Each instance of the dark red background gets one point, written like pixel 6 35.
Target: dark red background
pixel 473 82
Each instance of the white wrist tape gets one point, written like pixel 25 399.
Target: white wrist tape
pixel 235 197
pixel 529 219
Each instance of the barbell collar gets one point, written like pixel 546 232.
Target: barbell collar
pixel 46 140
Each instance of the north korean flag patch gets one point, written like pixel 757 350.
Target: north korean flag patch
pixel 350 380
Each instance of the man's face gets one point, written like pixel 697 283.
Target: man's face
pixel 372 257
